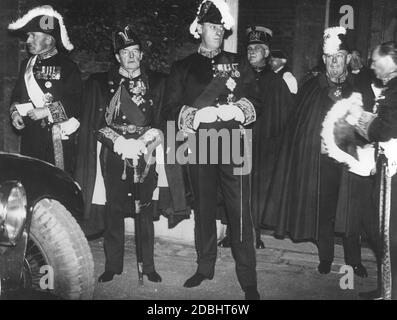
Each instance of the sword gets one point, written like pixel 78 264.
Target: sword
pixel 152 139
pixel 137 225
pixel 384 224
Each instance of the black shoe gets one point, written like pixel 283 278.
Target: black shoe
pixel 260 244
pixel 195 280
pixel 324 267
pixel 371 295
pixel 106 276
pixel 251 293
pixel 360 271
pixel 153 276
pixel 225 242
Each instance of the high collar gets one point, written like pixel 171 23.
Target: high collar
pixel 341 79
pixel 279 69
pixel 390 77
pixel 48 54
pixel 208 53
pixel 326 82
pixel 128 74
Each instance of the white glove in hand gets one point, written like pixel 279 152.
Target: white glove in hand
pixel 119 144
pixel 229 112
pixel 68 127
pixel 131 148
pixel 205 115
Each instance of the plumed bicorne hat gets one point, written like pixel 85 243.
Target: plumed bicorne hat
pixel 259 34
pixel 46 20
pixel 335 40
pixel 125 37
pixel 212 11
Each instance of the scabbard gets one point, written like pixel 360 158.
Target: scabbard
pixel 384 227
pixel 58 148
pixel 138 224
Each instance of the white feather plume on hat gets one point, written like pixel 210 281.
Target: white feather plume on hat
pixel 332 41
pixel 227 18
pixel 43 11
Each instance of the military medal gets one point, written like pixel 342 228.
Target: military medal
pixel 48 98
pixel 48 84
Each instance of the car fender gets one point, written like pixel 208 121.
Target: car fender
pixel 42 180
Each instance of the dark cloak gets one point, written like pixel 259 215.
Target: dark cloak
pixel 277 103
pixel 292 205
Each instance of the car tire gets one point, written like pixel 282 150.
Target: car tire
pixel 64 247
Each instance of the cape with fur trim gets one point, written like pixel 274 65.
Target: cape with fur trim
pixel 292 205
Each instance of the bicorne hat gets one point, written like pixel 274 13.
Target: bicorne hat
pixel 46 20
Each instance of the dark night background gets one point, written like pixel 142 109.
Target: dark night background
pixel 164 28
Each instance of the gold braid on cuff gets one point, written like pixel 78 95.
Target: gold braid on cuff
pixel 364 122
pixel 248 109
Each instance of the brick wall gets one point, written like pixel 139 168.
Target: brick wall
pixel 309 28
pixel 384 22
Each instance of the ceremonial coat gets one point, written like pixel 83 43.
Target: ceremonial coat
pixel 99 90
pixel 196 82
pixel 59 79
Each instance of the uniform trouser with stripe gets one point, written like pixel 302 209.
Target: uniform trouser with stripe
pixel 236 194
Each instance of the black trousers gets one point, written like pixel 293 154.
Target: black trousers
pixel 330 177
pixel 120 204
pixel 236 194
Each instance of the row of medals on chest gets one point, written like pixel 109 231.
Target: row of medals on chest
pixel 230 71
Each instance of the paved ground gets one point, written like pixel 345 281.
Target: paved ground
pixel 285 271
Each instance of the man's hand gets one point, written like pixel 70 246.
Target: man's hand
pixel 17 121
pixel 205 115
pixel 228 112
pixel 38 113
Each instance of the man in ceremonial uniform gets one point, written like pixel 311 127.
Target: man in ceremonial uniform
pixel 278 62
pixel 206 93
pixel 276 101
pixel 46 97
pixel 309 189
pixel 131 96
pixel 276 104
pixel 380 127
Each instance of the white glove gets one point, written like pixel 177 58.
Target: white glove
pixel 229 112
pixel 205 115
pixel 131 148
pixel 68 127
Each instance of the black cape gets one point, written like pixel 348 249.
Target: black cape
pixel 277 103
pixel 293 199
pixel 172 202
